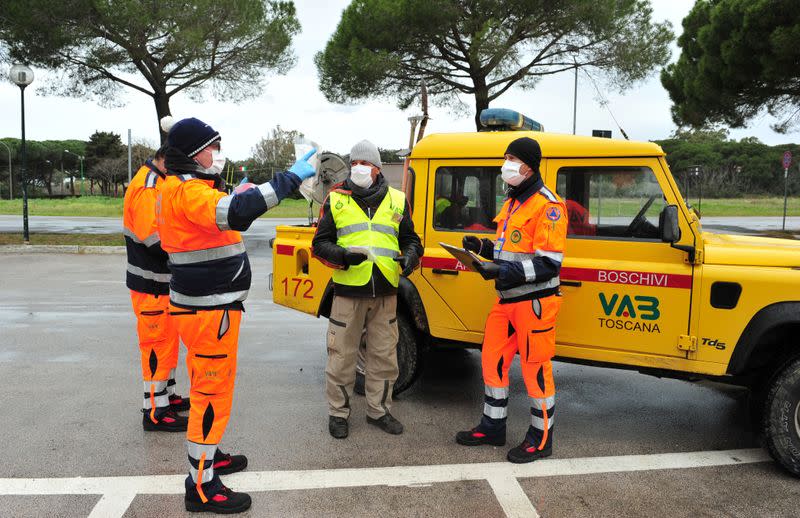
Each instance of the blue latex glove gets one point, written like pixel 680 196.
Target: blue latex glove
pixel 302 168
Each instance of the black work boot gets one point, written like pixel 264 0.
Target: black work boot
pixel 178 403
pixel 526 452
pixel 225 463
pixel 219 499
pixel 475 437
pixel 166 421
pixel 387 423
pixel 337 426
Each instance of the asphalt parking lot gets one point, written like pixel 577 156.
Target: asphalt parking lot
pixel 626 444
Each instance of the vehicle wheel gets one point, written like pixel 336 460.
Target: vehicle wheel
pixel 409 358
pixel 782 417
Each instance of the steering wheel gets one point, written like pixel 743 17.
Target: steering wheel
pixel 639 220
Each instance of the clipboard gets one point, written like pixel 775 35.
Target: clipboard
pixel 465 257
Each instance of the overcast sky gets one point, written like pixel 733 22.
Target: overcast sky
pixel 294 102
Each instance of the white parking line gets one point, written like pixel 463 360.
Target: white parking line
pixel 119 491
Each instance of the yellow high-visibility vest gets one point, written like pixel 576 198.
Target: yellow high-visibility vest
pixel 379 234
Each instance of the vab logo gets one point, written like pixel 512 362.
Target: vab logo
pixel 647 306
pixel 639 307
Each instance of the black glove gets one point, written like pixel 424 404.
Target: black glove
pixel 354 258
pixel 488 269
pixel 407 263
pixel 472 243
pixel 483 247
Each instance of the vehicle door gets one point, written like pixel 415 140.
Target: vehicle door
pixel 463 198
pixel 625 290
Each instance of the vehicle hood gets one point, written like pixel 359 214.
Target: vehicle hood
pixel 750 250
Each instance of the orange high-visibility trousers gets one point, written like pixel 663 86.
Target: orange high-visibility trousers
pixel 211 338
pixel 158 345
pixel 527 327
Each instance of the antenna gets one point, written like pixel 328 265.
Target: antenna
pixel 605 103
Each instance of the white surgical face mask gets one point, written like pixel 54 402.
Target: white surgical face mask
pixel 510 173
pixel 361 175
pixel 217 162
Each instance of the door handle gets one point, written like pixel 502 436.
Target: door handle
pixel 443 271
pixel 574 284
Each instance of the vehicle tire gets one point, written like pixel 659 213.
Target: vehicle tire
pixel 409 358
pixel 782 417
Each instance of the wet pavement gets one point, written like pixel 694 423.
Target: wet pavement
pixel 70 365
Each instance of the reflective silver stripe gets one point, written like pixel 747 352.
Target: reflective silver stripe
pixel 223 205
pixel 530 273
pixel 555 256
pixel 209 254
pixel 548 402
pixel 351 229
pixel 150 240
pixel 384 229
pixel 513 256
pixel 196 450
pixel 146 274
pixel 151 180
pixel 172 374
pixel 383 252
pixel 216 299
pixel 270 198
pixel 156 387
pixel 548 194
pixel 161 402
pixel 538 422
pixel 186 177
pixel 529 288
pixel 159 386
pixel 496 392
pixel 495 412
pixel 208 474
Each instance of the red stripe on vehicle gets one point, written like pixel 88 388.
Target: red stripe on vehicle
pixel 447 263
pixel 284 249
pixel 659 280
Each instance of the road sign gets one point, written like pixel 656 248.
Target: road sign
pixel 787 159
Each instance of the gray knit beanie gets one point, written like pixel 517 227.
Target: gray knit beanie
pixel 366 150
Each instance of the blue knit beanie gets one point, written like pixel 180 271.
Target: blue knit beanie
pixel 189 135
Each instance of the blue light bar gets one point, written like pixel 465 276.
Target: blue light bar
pixel 503 119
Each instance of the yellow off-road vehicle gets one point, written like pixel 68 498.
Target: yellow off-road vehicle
pixel 644 286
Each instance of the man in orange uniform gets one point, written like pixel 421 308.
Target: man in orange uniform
pixel 199 225
pixel 527 256
pixel 148 279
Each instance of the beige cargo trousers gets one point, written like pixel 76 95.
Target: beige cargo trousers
pixel 350 317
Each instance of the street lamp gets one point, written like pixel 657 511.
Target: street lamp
pixel 22 76
pixel 80 157
pixel 574 49
pixel 10 179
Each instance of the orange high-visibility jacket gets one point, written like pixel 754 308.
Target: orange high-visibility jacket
pixel 532 231
pixel 199 225
pixel 209 264
pixel 147 270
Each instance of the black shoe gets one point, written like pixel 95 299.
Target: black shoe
pixel 219 498
pixel 525 452
pixel 337 426
pixel 387 423
pixel 475 438
pixel 225 463
pixel 178 403
pixel 169 421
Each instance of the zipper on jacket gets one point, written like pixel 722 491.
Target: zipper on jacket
pixel 372 274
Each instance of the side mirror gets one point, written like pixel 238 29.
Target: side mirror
pixel 668 227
